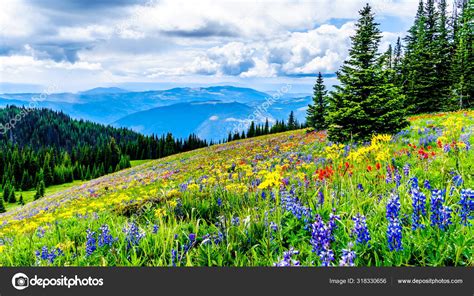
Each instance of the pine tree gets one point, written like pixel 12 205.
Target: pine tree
pixel 463 59
pixel 397 63
pixel 364 103
pixel 317 112
pixel 21 201
pixel 12 197
pixel 292 123
pixel 6 191
pixel 2 206
pixel 251 131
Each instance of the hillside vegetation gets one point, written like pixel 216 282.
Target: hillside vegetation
pixel 286 199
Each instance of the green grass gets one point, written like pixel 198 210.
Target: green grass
pixel 135 163
pixel 28 196
pixel 203 192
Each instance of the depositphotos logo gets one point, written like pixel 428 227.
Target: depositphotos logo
pixel 21 281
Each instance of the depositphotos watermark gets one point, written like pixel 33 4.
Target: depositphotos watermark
pixel 34 103
pixel 260 111
pixel 21 281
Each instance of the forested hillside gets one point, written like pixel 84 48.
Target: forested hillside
pixel 43 147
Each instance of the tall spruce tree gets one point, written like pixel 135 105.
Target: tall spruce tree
pixel 317 112
pixel 2 206
pixel 463 60
pixel 364 103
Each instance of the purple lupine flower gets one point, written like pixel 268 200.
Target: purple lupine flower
pixel 321 197
pixel 105 238
pixel 445 218
pixel 348 256
pixel 394 229
pixel 467 206
pixel 360 229
pixel 333 218
pixel 427 184
pixel 414 182
pixel 436 205
pixel 292 204
pixel 174 257
pixel 388 177
pixel 457 180
pixel 394 235
pixel 133 234
pixel 320 235
pixel 419 208
pixel 406 170
pixel 273 226
pixel 235 221
pixel 155 229
pixel 49 255
pixel 288 260
pixel 326 255
pixel 397 178
pixel 393 207
pixel 90 242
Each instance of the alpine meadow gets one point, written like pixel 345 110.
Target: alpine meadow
pixel 376 170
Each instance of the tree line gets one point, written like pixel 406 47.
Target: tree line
pixel 256 130
pixel 48 148
pixel 430 71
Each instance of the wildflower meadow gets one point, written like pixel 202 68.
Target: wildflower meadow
pixel 289 199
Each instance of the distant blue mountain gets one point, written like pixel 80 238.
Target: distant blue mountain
pixel 125 108
pixel 104 90
pixel 210 120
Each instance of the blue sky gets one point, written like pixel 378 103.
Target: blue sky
pixel 144 44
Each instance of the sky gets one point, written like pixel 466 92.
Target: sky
pixel 76 45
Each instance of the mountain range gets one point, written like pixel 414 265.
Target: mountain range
pixel 209 112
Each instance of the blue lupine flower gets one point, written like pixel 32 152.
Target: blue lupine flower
pixel 90 242
pixel 457 180
pixel 394 229
pixel 360 229
pixel 293 205
pixel 321 197
pixel 414 182
pixel 467 206
pixel 105 238
pixel 436 206
pixel 397 178
pixel 332 223
pixel 445 218
pixel 219 202
pixel 320 235
pixel 427 184
pixel 360 187
pixel 287 259
pixel 133 234
pixel 388 177
pixel 326 255
pixel 155 229
pixel 419 208
pixel 394 235
pixel 393 207
pixel 273 226
pixel 235 221
pixel 46 254
pixel 348 256
pixel 192 237
pixel 174 257
pixel 406 170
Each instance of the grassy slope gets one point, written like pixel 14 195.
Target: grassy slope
pixel 28 196
pixel 205 191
